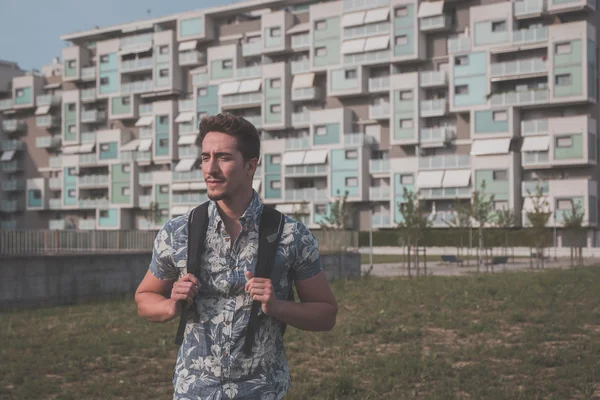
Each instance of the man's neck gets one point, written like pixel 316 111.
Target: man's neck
pixel 232 209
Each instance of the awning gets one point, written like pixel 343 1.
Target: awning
pixel 315 157
pixel 131 146
pixel 537 143
pixel 293 158
pixel 490 146
pixel 430 179
pixel 377 15
pixel 180 210
pixel 197 185
pixel 303 80
pixel 42 110
pixel 304 27
pixel 431 8
pixel 145 121
pixel 187 116
pixel 377 43
pixel 185 165
pixel 456 178
pixel 353 46
pixel 256 184
pixel 8 155
pixel 145 145
pixel 187 46
pixel 137 49
pixel 70 149
pixel 53 85
pixel 229 88
pixel 187 139
pixel 250 86
pixel 353 19
pixel 87 147
pixel 180 187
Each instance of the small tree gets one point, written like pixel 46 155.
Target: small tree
pixel 154 213
pixel 461 221
pixel 574 233
pixel 414 224
pixel 538 217
pixel 301 211
pixel 505 219
pixel 482 207
pixel 339 216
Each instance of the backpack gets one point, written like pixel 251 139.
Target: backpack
pixel 269 235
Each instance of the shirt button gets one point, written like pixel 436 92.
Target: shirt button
pixel 226 353
pixel 227 322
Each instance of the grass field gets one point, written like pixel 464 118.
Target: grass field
pixel 530 335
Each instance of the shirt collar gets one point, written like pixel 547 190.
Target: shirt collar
pixel 249 219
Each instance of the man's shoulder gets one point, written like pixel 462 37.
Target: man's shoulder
pixel 177 225
pixel 298 231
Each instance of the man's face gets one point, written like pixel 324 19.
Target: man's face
pixel 225 172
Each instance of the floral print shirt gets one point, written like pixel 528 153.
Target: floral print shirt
pixel 211 363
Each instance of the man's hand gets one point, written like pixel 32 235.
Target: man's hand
pixel 185 289
pixel 261 289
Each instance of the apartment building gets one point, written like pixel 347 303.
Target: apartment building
pixel 364 97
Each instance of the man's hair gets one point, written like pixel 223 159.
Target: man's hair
pixel 248 140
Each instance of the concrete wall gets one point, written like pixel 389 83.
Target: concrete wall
pixel 34 281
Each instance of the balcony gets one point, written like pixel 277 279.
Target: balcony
pixel 146 132
pixel 144 201
pixel 193 57
pixel 94 203
pixel 356 5
pixel 47 100
pixel 435 23
pixel 433 78
pixel 436 137
pixel 306 94
pixel 434 108
pixel 380 220
pixel 93 116
pixel 56 224
pixel 459 44
pixel 47 142
pixel 13 185
pixel 251 48
pixel 187 128
pixel 189 198
pixel 10 206
pixel 47 121
pixel 534 127
pixel 448 161
pixel 528 8
pixel 88 159
pixel 193 175
pixel 136 41
pixel 55 183
pixel 441 218
pixel 379 84
pixel 531 187
pixel 88 137
pixel 55 204
pixel 55 162
pixel 367 58
pixel 88 95
pixel 200 79
pixel 522 98
pixel 88 73
pixel 381 166
pixel 184 105
pixel 357 139
pixel 137 87
pixel 534 158
pixel 243 99
pixel 519 67
pixel 366 30
pixel 8 145
pixel 300 41
pixel 379 111
pixel 9 225
pixel 93 180
pixel 146 109
pixel 143 157
pixel 380 193
pixel 300 66
pixel 86 224
pixel 139 64
pixel 13 125
pixel 301 118
pixel 445 193
pixel 306 194
pixel 6 104
pixel 145 178
pixel 248 72
pixel 529 36
pixel 292 171
pixel 255 120
pixel 11 166
pixel 127 156
pixel 189 152
pixel 297 143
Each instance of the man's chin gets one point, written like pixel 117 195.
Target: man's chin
pixel 216 195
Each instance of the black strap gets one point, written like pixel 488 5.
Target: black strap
pixel 269 235
pixel 197 227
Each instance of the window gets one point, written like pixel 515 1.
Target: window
pixel 321 209
pixel 202 92
pixel 104 81
pixel 72 128
pixel 320 130
pixel 163 188
pixel 562 48
pixel 461 60
pixel 407 179
pixel 500 175
pixel 320 25
pixel 71 63
pixel 406 95
pixel 499 115
pixel 461 89
pixel 350 74
pixel 37 194
pixel 351 154
pixel 71 107
pixel 72 193
pixel 126 168
pixel 126 100
pixel 564 141
pixel 275 32
pixel 406 123
pixel 103 213
pixel 227 64
pixel 499 26
pixel 563 80
pixel 320 51
pixel 71 172
pixel 401 12
pixel 275 108
pixel 275 83
pixel 104 59
pixel 125 191
pixel 163 119
pixel 164 73
pixel 104 147
pixel 163 142
pixel 401 40
pixel 275 184
pixel 351 182
pixel 163 49
pixel 564 204
pixel 276 159
pixel 19 92
pixel 500 205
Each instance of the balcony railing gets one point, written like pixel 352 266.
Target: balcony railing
pixel 434 108
pixel 433 78
pixel 138 64
pixel 127 156
pixel 145 109
pixel 255 120
pixel 357 139
pixel 307 93
pixel 436 135
pixel 301 40
pixel 200 79
pixel 305 170
pixel 534 157
pixel 47 100
pixel 146 132
pixel 520 98
pixel 356 5
pixel 144 200
pixel 184 105
pixel 93 116
pixel 10 206
pixel 534 127
pixel 6 104
pixel 306 194
pixel 301 66
pixel 378 220
pixel 300 118
pixel 529 188
pixel 46 121
pixel 251 48
pixel 13 185
pixel 249 72
pixel 137 40
pixel 56 224
pixel 94 203
pixel 88 137
pixel 137 87
pixel 11 166
pixel 459 44
pixel 55 183
pixel 7 145
pixel 528 7
pixel 93 180
pixel 447 161
pixel 519 67
pixel 441 218
pixel 13 125
pixel 379 84
pixel 88 94
pixel 534 35
pixel 379 111
pixel 367 58
pixel 366 30
pixel 189 198
pixel 445 193
pixel 145 178
pixel 187 128
pixel 55 204
pixel 381 166
pixel 88 72
pixel 193 57
pixel 435 22
pixel 47 142
pixel 297 143
pixel 189 151
pixel 90 158
pixel 193 175
pixel 241 99
pixel 55 162
pixel 9 225
pixel 143 156
pixel 86 224
pixel 379 193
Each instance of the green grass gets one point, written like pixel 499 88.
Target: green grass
pixel 529 335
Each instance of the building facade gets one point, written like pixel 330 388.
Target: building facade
pixel 356 96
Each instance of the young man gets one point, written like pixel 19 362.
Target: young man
pixel 211 363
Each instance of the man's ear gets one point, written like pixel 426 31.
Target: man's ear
pixel 252 165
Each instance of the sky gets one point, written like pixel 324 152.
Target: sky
pixel 30 30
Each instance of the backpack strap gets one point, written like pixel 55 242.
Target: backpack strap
pixel 269 235
pixel 197 227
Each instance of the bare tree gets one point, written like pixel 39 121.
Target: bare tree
pixel 339 216
pixel 504 220
pixel 460 221
pixel 482 207
pixel 538 218
pixel 574 233
pixel 300 211
pixel 414 224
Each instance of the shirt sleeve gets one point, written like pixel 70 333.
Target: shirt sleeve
pixel 307 261
pixel 162 265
